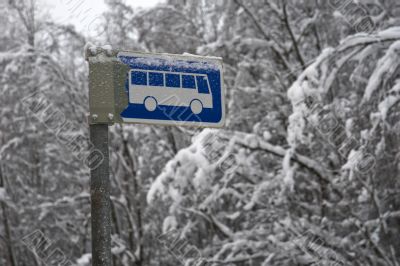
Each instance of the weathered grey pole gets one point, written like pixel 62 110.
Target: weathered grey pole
pixel 100 198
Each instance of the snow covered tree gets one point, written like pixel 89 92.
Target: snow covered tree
pixel 43 183
pixel 306 186
pixel 304 173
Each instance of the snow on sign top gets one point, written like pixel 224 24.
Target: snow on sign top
pixel 174 89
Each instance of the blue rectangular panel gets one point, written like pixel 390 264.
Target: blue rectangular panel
pixel 182 90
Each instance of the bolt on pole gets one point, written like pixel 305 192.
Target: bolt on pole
pixel 100 199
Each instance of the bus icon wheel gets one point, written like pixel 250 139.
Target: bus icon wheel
pixel 150 103
pixel 196 106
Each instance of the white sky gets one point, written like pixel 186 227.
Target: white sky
pixel 84 14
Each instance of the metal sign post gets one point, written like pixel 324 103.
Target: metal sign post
pixel 100 199
pixel 131 87
pixel 100 84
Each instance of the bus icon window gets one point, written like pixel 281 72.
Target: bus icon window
pixel 153 88
pixel 188 82
pixel 202 84
pixel 138 78
pixel 156 79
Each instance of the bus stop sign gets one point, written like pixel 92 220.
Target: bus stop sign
pixel 156 89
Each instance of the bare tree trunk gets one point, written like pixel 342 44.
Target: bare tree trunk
pixel 136 205
pixel 114 218
pixel 7 228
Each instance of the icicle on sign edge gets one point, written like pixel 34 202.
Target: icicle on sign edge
pixel 161 88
